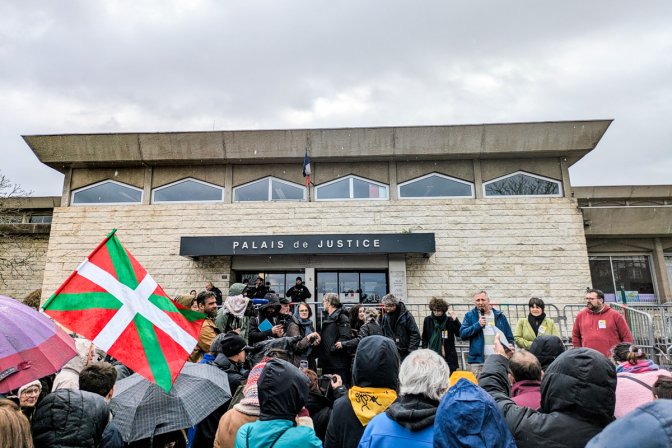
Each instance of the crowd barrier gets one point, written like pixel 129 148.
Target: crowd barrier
pixel 650 324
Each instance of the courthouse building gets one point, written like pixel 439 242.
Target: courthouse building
pixel 419 211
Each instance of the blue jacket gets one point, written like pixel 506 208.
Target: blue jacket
pixel 648 425
pixel 276 433
pixel 469 417
pixel 383 432
pixel 472 331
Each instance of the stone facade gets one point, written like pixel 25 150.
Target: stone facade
pixel 513 247
pixel 26 277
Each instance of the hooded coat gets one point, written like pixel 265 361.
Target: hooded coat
pixel 400 326
pixel 578 396
pixel 647 426
pixel 283 390
pixel 376 366
pixel 468 417
pixel 70 418
pixel 546 348
pixel 409 421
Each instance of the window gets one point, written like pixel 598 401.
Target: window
pixel 107 192
pixel 188 190
pixel 353 287
pixel 351 187
pixel 40 219
pixel 435 185
pixel 269 189
pixel 668 266
pixel 278 282
pixel 522 184
pixel 630 273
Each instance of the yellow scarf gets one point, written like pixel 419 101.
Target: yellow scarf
pixel 367 402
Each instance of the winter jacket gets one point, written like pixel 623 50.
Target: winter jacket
pixel 404 331
pixel 468 417
pixel 208 334
pixel 524 334
pixel 600 331
pixel 207 428
pixel 70 418
pixel 630 393
pixel 370 328
pixel 335 327
pixel 227 320
pixel 228 427
pixel 546 348
pixel 283 390
pixel 577 399
pixel 472 331
pixel 409 421
pixel 376 366
pixel 527 393
pixel 298 293
pixel 647 426
pixel 453 329
pixel 320 407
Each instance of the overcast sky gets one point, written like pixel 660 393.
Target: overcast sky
pixel 137 65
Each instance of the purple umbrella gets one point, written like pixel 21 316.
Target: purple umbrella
pixel 31 345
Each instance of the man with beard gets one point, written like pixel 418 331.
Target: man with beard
pixel 599 326
pixel 399 325
pixel 207 304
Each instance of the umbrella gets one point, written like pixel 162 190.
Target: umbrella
pixel 142 409
pixel 31 345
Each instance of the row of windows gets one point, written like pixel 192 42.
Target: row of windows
pixel 432 185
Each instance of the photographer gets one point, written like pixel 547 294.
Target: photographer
pixel 323 391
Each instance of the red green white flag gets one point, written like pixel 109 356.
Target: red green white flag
pixel 111 300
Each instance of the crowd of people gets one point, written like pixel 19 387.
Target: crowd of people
pixel 368 377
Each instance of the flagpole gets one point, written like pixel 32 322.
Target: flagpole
pixel 73 273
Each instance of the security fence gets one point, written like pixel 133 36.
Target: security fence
pixel 650 324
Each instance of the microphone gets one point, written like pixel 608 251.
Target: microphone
pixel 482 311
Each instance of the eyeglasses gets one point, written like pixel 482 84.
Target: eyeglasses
pixel 34 391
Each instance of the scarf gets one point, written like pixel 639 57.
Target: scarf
pixel 367 402
pixel 643 365
pixel 236 305
pixel 535 322
pixel 306 325
pixel 436 338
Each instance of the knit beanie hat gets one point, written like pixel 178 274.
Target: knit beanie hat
pixel 31 384
pixel 250 391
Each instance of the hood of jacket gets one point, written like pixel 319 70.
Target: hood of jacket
pixel 283 391
pixel 546 348
pixel 376 363
pixel 468 416
pixel 580 382
pixel 70 418
pixel 414 412
pixel 223 363
pixel 649 425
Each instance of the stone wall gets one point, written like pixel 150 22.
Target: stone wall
pixel 513 247
pixel 25 278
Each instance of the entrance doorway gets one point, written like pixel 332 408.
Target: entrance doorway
pixel 277 281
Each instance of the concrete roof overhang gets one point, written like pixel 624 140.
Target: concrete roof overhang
pixel 570 139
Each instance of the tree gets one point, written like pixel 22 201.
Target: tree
pixel 15 253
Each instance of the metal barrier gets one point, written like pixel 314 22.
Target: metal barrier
pixel 650 324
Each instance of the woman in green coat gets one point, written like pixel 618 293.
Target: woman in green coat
pixel 536 324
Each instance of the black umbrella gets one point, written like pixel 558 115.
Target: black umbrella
pixel 142 409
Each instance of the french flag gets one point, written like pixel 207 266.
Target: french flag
pixel 306 168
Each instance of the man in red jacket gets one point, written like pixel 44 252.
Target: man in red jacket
pixel 599 326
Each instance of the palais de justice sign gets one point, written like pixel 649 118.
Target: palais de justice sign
pixel 389 243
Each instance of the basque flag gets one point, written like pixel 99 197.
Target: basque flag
pixel 306 168
pixel 113 301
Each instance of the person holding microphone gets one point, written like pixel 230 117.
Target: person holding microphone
pixel 480 326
